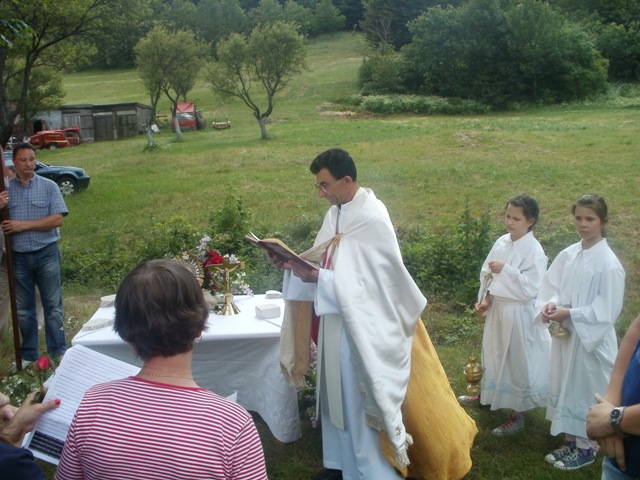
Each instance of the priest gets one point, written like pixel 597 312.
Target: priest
pixel 369 309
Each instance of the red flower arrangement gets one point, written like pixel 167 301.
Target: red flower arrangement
pixel 211 257
pixel 213 280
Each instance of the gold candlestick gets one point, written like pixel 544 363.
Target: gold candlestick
pixel 229 308
pixel 473 371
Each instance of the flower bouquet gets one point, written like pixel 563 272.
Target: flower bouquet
pixel 213 280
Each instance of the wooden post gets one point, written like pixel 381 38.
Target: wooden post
pixel 12 285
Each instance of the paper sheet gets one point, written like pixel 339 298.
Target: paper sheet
pixel 80 369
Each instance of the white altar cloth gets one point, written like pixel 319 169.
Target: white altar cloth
pixel 237 353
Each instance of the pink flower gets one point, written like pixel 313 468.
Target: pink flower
pixel 42 366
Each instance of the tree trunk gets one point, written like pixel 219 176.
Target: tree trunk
pixel 150 143
pixel 177 125
pixel 262 121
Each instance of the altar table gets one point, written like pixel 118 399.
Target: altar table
pixel 237 353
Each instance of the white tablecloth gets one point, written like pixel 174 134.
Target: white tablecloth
pixel 237 353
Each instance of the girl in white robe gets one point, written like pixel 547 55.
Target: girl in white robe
pixel 515 352
pixel 582 292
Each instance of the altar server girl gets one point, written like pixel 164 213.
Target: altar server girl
pixel 581 299
pixel 515 353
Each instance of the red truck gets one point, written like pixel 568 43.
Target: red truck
pixel 189 118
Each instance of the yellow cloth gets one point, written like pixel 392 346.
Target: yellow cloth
pixel 295 336
pixel 442 431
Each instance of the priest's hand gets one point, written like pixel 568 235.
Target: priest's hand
pixel 305 274
pixel 483 307
pixel 278 262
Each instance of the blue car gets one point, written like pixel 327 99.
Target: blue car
pixel 70 179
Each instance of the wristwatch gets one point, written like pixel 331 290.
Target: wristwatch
pixel 615 417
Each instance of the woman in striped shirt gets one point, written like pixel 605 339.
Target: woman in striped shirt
pixel 159 424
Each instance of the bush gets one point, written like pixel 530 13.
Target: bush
pixel 446 264
pixel 501 52
pixel 105 265
pixel 417 104
pixel 380 73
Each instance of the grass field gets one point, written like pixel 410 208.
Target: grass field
pixel 426 169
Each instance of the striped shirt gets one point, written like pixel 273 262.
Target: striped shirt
pixel 137 429
pixel 40 198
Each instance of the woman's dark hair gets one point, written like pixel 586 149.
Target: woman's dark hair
pixel 160 309
pixel 529 207
pixel 337 161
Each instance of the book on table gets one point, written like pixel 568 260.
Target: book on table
pixel 279 249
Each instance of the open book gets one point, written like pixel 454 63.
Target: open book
pixel 80 369
pixel 279 249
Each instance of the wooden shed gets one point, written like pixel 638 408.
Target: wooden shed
pixel 100 122
pixel 120 120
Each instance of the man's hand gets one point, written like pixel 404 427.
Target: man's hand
pixel 482 307
pixel 613 446
pixel 305 274
pixel 11 226
pixel 4 199
pixel 598 425
pixel 599 428
pixel 277 261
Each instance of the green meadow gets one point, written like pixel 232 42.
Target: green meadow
pixel 427 170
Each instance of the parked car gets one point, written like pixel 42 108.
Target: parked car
pixel 70 179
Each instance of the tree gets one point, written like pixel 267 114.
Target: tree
pixel 52 24
pixel 620 45
pixel 267 11
pixel 271 56
pixel 169 63
pixel 385 22
pixel 352 10
pixel 298 15
pixel 115 46
pixel 616 25
pixel 10 29
pixel 327 18
pixel 217 19
pixel 556 58
pixel 502 51
pixel 45 93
